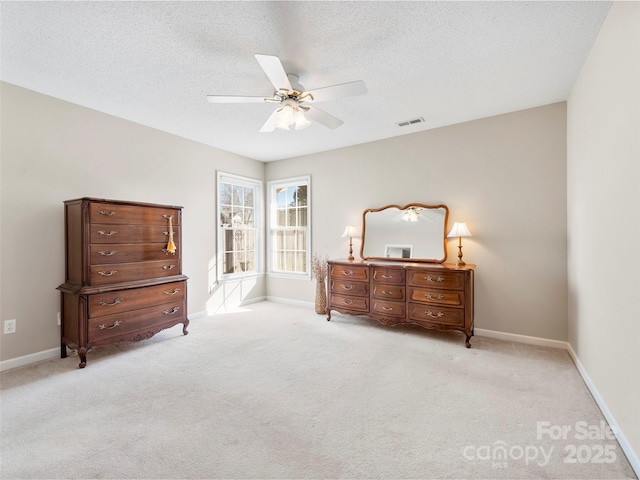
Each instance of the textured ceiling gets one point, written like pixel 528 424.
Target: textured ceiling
pixel 155 62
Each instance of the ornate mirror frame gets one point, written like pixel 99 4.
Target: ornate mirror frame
pixel 402 240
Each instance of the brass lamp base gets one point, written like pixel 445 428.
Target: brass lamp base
pixel 460 262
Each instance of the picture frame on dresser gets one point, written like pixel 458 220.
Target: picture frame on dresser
pixel 123 273
pixel 394 290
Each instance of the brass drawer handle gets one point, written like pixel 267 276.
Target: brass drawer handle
pixel 430 297
pixel 107 254
pixel 109 214
pixel 168 267
pixel 171 312
pixel 107 274
pixel 164 215
pixel 175 290
pixel 387 276
pixel 349 302
pixel 429 278
pixel 102 326
pixel 348 287
pixel 111 232
pixel 104 303
pixel 387 309
pixel 387 292
pixel 348 274
pixel 429 313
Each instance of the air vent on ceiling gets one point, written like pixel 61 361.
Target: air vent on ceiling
pixel 411 122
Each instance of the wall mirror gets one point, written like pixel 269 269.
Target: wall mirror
pixel 415 232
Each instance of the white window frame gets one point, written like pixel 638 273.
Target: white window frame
pixel 272 186
pixel 257 185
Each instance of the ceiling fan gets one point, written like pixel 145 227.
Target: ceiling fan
pixel 293 99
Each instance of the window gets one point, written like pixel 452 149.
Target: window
pixel 290 226
pixel 238 224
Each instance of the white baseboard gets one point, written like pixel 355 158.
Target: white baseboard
pixel 514 337
pixel 29 359
pixel 632 456
pixel 288 301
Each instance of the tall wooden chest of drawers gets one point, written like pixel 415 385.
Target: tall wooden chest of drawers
pixel 435 296
pixel 122 282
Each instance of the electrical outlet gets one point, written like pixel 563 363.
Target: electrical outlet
pixel 10 326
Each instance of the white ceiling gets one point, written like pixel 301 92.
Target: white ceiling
pixel 155 62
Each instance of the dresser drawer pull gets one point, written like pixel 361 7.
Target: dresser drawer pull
pixel 104 303
pixel 168 267
pixel 348 274
pixel 107 254
pixel 107 214
pixel 387 292
pixel 111 232
pixel 107 274
pixel 347 302
pixel 430 297
pixel 429 313
pixel 164 215
pixel 429 278
pixel 173 311
pixel 102 326
pixel 348 287
pixel 387 309
pixel 175 290
pixel 387 276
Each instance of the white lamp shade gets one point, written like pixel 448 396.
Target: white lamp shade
pixel 459 230
pixel 350 231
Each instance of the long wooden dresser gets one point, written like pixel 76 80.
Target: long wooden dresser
pixel 434 296
pixel 122 281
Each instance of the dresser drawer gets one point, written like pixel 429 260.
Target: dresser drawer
pixel 351 303
pixel 126 253
pixel 392 276
pixel 436 314
pixel 453 298
pixel 391 309
pixel 436 279
pixel 388 292
pixel 350 288
pixel 113 213
pixel 127 272
pixel 101 233
pixel 135 298
pixel 352 272
pixel 119 324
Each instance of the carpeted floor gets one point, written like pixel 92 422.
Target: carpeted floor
pixel 276 391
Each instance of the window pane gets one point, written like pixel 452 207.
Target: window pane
pixel 302 217
pixel 291 217
pixel 237 194
pixel 248 197
pixel 248 217
pixel 225 194
pixel 301 196
pixel 225 216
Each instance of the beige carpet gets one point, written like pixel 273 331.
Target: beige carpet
pixel 276 391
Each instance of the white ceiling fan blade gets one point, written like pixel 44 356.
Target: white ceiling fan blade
pixel 234 99
pixel 270 124
pixel 315 114
pixel 350 89
pixel 272 66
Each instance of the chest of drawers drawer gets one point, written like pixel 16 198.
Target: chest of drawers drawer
pixel 347 287
pixel 451 298
pixel 388 292
pixel 436 279
pixel 114 233
pixel 113 213
pixel 434 314
pixel 120 301
pixel 360 304
pixel 349 272
pixel 129 272
pixel 126 253
pixel 393 276
pixel 125 324
pixel 388 309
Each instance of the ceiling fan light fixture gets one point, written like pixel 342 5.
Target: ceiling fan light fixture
pixel 300 120
pixel 285 117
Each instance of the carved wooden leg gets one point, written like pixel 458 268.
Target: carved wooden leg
pixel 185 324
pixel 468 343
pixel 328 314
pixel 63 350
pixel 82 353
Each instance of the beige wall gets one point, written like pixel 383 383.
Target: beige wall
pixel 603 158
pixel 505 176
pixel 53 151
